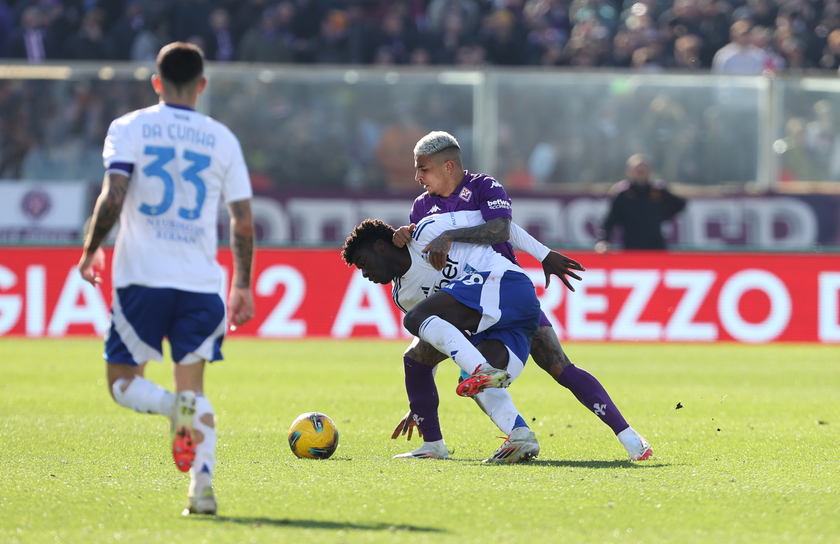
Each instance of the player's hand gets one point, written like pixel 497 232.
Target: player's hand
pixel 601 247
pixel 438 249
pixel 406 425
pixel 90 264
pixel 240 307
pixel 403 235
pixel 561 266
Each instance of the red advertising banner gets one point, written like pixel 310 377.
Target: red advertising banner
pixel 625 296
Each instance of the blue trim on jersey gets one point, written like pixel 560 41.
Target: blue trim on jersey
pixel 395 294
pixel 178 106
pixel 126 167
pixel 423 224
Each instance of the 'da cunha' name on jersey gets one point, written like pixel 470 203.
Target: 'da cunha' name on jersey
pixel 178 131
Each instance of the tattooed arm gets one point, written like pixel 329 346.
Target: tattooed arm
pixel 495 231
pixel 241 301
pixel 105 215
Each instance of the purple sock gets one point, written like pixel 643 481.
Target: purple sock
pixel 422 398
pixel 592 394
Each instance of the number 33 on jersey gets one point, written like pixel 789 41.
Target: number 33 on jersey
pixel 181 163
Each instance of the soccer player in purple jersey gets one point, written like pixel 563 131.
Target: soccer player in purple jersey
pixel 448 187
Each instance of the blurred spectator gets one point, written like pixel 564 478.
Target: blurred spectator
pixel 334 40
pixel 191 18
pixel 797 164
pixel 396 144
pixel 306 26
pixel 822 140
pixel 640 206
pixel 30 41
pixel 467 12
pixel 89 42
pixel 7 25
pixel 831 54
pixel 271 42
pixel 762 38
pixel 739 56
pixel 122 34
pixel 395 39
pixel 450 37
pixel 219 40
pixel 151 39
pixel 503 44
pixel 687 52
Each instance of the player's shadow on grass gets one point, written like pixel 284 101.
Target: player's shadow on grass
pixel 596 464
pixel 315 524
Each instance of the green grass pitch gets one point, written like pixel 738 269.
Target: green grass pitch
pixel 753 455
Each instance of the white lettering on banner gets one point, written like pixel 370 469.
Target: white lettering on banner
pixel 642 284
pixel 353 311
pixel 36 300
pixel 551 298
pixel 580 303
pixel 682 327
pixel 92 311
pixel 582 212
pixel 754 219
pixel 829 306
pixel 730 316
pixel 280 324
pixel 546 214
pixel 10 305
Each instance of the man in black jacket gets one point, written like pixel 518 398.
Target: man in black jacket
pixel 640 205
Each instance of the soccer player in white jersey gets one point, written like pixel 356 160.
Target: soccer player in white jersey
pixel 478 291
pixel 167 167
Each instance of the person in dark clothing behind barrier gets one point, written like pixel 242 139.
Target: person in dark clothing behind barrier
pixel 640 205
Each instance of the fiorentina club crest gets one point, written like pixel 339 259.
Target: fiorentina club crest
pixel 465 195
pixel 35 204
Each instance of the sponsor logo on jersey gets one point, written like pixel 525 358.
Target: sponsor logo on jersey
pixel 495 184
pixel 499 204
pixel 434 209
pixel 465 195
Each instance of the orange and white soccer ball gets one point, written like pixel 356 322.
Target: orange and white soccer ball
pixel 313 436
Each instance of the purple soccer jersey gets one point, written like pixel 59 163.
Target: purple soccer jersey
pixel 477 192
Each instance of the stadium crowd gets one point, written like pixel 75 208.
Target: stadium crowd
pixel 726 36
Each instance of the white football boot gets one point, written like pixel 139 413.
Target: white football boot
pixel 521 445
pixel 637 447
pixel 429 450
pixel 201 501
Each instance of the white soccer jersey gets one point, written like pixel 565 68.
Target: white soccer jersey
pixel 180 163
pixel 422 279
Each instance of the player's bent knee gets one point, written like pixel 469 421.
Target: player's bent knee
pixel 412 321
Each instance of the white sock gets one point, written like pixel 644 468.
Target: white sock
pixel 499 406
pixel 144 396
pixel 447 339
pixel 201 473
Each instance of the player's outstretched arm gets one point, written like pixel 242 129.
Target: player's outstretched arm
pixel 105 216
pixel 495 231
pixel 241 300
pixel 561 266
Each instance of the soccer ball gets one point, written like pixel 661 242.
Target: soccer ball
pixel 313 436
